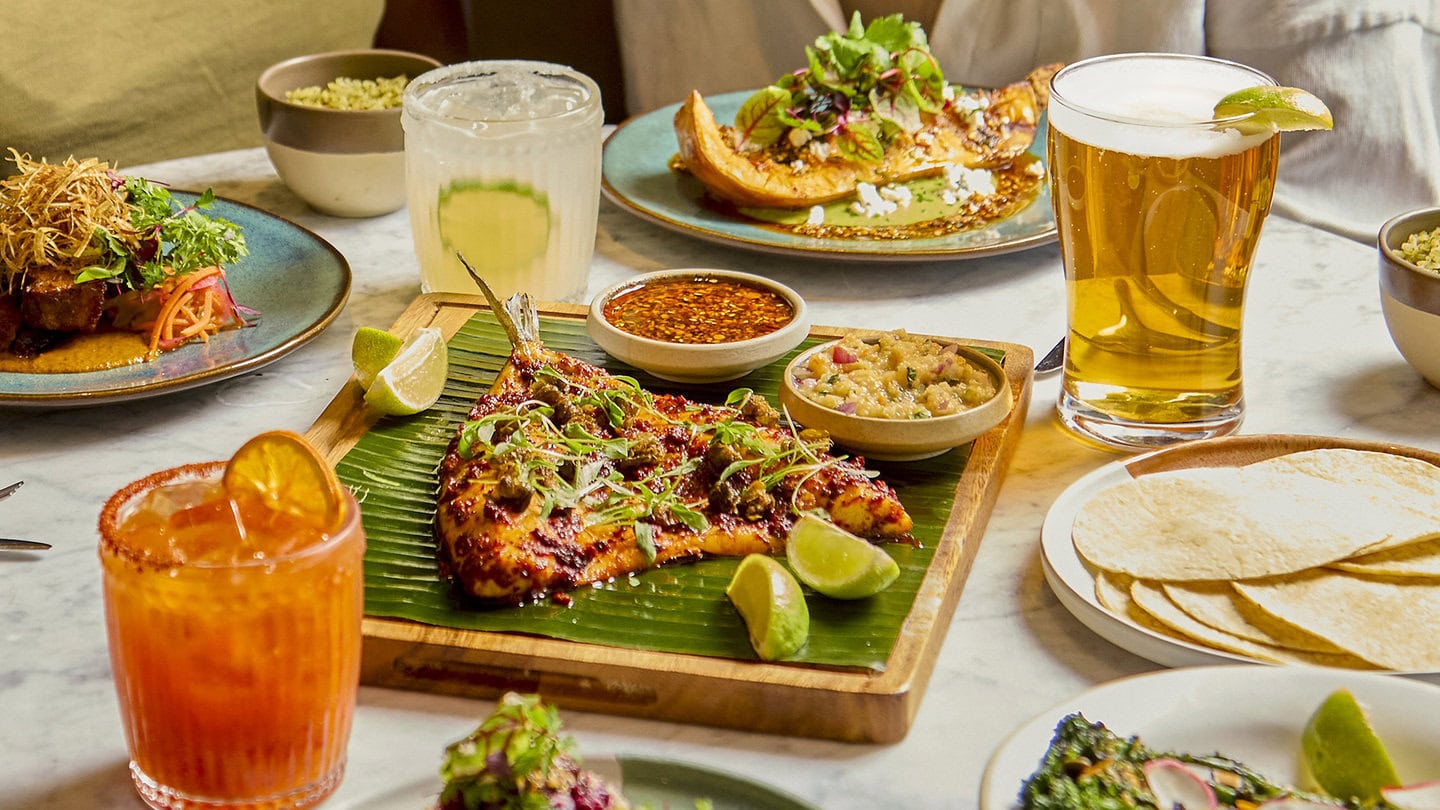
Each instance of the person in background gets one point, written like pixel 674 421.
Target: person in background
pixel 1376 63
pixel 137 82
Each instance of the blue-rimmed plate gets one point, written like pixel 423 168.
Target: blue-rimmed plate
pixel 637 177
pixel 297 281
pixel 660 784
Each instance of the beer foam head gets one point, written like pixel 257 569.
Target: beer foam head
pixel 1151 104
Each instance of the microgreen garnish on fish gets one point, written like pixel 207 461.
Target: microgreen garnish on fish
pixel 568 463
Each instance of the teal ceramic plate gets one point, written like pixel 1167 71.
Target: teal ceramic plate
pixel 649 784
pixel 636 177
pixel 298 282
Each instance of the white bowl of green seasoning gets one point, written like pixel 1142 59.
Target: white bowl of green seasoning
pixel 331 123
pixel 1410 288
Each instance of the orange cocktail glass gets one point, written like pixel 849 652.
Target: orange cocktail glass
pixel 236 659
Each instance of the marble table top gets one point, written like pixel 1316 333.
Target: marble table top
pixel 1317 360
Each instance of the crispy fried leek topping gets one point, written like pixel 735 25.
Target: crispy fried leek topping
pixel 50 213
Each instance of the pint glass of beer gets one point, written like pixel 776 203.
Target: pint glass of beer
pixel 1159 208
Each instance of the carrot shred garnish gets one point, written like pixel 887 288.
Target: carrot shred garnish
pixel 179 311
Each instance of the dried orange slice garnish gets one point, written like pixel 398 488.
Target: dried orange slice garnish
pixel 283 473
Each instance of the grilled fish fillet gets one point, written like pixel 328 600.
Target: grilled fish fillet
pixel 565 475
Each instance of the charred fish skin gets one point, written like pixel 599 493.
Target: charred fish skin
pixel 565 475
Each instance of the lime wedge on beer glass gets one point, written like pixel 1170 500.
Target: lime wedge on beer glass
pixel 1274 109
pixel 501 228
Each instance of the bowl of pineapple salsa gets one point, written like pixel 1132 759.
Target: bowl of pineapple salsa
pixel 896 396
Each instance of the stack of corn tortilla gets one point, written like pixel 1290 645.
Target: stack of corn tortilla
pixel 1328 557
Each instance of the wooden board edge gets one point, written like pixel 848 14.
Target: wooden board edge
pixel 750 696
pixel 923 634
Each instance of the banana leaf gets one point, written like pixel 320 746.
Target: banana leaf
pixel 679 608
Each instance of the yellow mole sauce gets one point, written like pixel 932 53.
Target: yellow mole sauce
pixel 95 352
pixel 698 309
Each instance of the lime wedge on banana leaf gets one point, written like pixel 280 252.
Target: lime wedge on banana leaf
pixel 772 605
pixel 835 562
pixel 372 350
pixel 1273 109
pixel 414 379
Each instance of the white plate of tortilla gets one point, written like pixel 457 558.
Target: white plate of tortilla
pixel 1254 714
pixel 1074 580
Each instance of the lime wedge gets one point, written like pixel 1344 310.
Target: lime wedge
pixel 772 604
pixel 372 350
pixel 502 229
pixel 1344 755
pixel 414 380
pixel 837 563
pixel 1274 109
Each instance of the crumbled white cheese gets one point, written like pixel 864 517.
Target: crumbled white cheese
pixel 797 166
pixel 969 105
pixel 798 137
pixel 870 203
pixel 819 149
pixel 877 202
pixel 900 195
pixel 962 183
pixel 817 215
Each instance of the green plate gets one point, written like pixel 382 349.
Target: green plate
pixel 636 176
pixel 662 784
pixel 298 282
pixel 648 783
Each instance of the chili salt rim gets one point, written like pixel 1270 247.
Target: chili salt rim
pixel 111 519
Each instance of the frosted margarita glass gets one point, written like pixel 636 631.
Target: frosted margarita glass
pixel 502 164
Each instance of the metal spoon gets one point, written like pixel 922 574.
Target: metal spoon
pixel 7 491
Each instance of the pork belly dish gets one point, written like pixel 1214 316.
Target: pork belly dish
pixel 85 250
pixel 564 474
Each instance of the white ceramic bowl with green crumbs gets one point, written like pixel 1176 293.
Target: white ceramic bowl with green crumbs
pixel 1410 291
pixel 894 396
pixel 331 123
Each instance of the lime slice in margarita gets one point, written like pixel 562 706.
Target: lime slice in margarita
pixel 502 229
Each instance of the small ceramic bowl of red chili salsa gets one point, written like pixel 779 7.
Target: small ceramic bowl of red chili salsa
pixel 698 325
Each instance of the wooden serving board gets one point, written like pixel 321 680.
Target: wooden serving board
pixel 852 704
